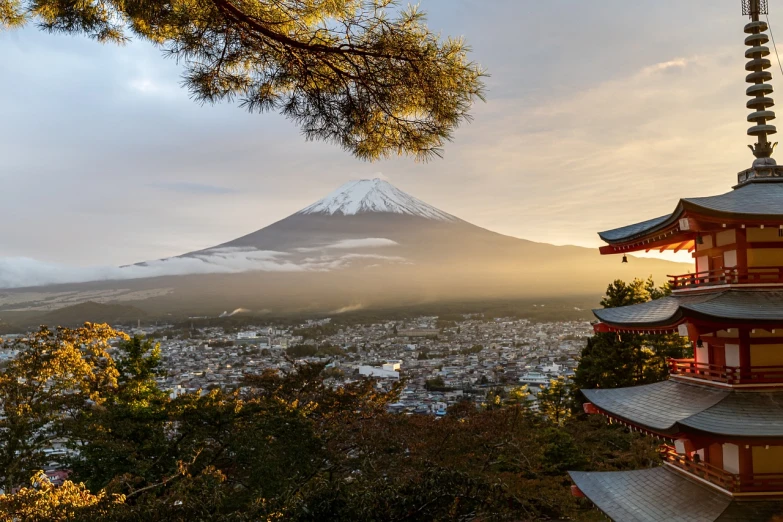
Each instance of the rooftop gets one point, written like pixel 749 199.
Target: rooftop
pixel 754 201
pixel 746 306
pixel 661 495
pixel 671 407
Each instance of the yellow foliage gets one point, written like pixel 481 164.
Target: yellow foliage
pixel 44 501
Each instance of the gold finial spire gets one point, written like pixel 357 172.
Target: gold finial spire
pixel 759 90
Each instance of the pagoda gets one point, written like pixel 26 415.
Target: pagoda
pixel 720 413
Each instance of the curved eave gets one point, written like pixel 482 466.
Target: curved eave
pixel 662 495
pixel 629 232
pixel 699 211
pixel 728 308
pixel 670 407
pixel 655 407
pixel 650 495
pixel 659 314
pixel 601 327
pixel 754 203
pixel 742 415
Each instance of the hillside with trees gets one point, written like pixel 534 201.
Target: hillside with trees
pixel 285 446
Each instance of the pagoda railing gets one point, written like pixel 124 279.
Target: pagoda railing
pixel 735 483
pixel 728 276
pixel 726 374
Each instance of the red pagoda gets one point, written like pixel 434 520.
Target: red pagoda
pixel 720 414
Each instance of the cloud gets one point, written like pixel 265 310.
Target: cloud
pixel 147 85
pixel 20 272
pixel 677 64
pixel 346 244
pixel 193 188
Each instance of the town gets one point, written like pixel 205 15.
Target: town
pixel 439 361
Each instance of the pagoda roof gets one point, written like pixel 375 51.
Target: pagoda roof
pixel 671 407
pixel 662 495
pixel 760 306
pixel 753 201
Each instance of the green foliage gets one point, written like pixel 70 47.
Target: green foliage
pixel 610 360
pixel 215 343
pixel 560 452
pixel 308 350
pixel 290 447
pixel 124 441
pixel 329 350
pixel 472 350
pixel 363 74
pixel 334 373
pixel 301 350
pixel 554 401
pixel 442 324
pixel 435 384
pixel 317 332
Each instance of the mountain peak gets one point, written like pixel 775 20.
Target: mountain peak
pixel 371 196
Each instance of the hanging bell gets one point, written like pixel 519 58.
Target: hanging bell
pixel 625 258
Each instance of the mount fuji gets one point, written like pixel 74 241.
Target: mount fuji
pixel 366 244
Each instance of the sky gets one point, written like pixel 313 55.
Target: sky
pixel 598 115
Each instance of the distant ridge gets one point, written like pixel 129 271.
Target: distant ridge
pixel 94 312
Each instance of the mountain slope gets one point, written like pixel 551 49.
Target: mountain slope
pixel 366 244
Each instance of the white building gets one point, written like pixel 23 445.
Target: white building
pixel 387 371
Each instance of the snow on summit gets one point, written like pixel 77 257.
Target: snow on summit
pixel 374 195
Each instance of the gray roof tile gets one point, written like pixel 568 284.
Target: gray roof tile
pixel 650 495
pixel 660 495
pixel 742 414
pixel 744 305
pixel 658 406
pixel 751 201
pixel 670 406
pixel 623 233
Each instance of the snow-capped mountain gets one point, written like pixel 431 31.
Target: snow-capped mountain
pixel 366 244
pixel 374 195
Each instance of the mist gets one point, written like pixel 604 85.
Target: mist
pixel 22 272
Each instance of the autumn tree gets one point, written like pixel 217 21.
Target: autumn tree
pixel 554 400
pixel 42 500
pixel 289 446
pixel 55 374
pixel 363 74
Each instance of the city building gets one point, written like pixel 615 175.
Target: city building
pixel 385 371
pixel 720 415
